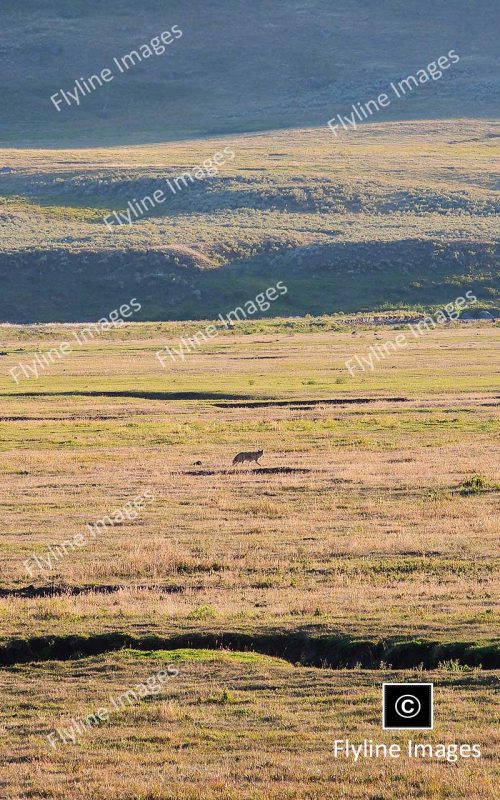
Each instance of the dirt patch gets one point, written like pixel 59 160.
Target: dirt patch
pixel 244 471
pixel 280 470
pixel 204 472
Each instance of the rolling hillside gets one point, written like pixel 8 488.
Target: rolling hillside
pixel 340 222
pixel 399 212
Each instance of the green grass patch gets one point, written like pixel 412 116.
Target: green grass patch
pixel 191 654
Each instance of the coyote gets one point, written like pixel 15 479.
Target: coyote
pixel 240 457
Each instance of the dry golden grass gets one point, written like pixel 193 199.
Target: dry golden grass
pixel 233 726
pixel 374 518
pixel 372 537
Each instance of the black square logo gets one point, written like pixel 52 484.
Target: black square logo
pixel 407 706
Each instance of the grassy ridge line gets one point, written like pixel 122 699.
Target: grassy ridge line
pixel 327 650
pixel 339 223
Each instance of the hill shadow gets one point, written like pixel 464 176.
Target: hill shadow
pixel 351 271
pixel 143 395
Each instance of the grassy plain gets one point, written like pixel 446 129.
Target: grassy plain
pixel 358 524
pixel 361 508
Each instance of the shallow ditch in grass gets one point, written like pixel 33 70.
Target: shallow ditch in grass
pixel 338 401
pixel 134 393
pixel 333 651
pixel 54 590
pixel 257 471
